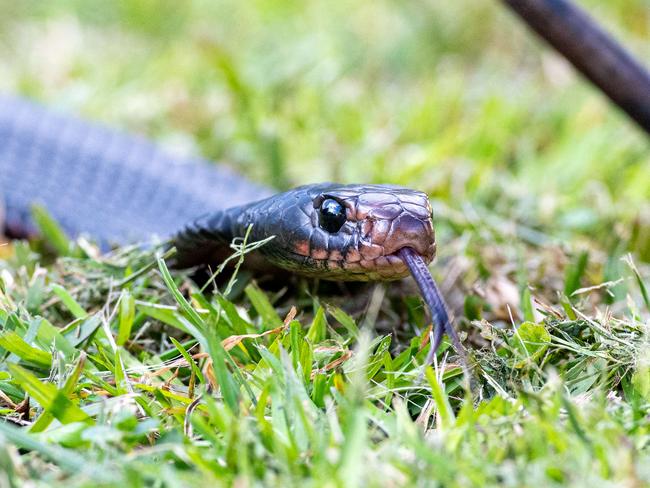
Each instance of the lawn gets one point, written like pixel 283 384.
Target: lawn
pixel 117 371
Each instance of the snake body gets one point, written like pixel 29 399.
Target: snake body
pixel 120 188
pixel 115 187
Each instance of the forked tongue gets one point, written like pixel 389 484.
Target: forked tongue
pixel 435 302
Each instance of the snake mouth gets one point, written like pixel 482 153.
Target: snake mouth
pixel 382 240
pixel 388 266
pixel 382 268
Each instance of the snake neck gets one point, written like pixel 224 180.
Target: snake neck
pixel 206 239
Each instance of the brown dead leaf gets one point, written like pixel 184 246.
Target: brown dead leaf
pixel 290 316
pixel 425 337
pixel 334 364
pixel 229 342
pixel 4 399
pixel 503 297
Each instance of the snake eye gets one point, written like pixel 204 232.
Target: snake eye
pixel 332 215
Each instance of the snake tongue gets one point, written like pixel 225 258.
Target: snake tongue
pixel 436 303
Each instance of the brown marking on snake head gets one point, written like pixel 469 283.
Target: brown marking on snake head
pixel 353 256
pixel 380 229
pixel 360 212
pixel 382 262
pixel 351 266
pixel 386 221
pixel 335 255
pixel 301 248
pixel 334 264
pixel 366 227
pixel 320 254
pixel 370 251
pixel 367 263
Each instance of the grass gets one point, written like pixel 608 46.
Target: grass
pixel 116 371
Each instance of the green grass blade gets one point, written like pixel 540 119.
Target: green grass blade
pixel 69 302
pixel 12 342
pixel 445 411
pixel 185 306
pixel 126 317
pixel 51 230
pixel 263 306
pixel 52 400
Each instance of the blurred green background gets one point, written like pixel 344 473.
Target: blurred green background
pixel 455 98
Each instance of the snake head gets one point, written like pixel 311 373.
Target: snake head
pixel 344 232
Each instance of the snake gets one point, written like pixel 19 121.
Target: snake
pixel 121 188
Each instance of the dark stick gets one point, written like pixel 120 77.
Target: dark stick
pixel 436 304
pixel 592 51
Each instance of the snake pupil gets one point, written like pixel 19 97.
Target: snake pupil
pixel 332 215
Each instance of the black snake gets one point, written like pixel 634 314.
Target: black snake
pixel 119 188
